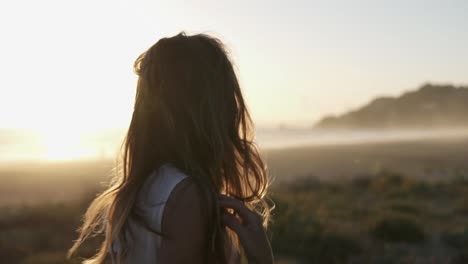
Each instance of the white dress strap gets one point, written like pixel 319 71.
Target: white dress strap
pixel 155 193
pixel 149 206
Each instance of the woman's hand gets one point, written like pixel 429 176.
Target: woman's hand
pixel 248 227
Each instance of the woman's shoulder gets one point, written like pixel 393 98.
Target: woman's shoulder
pixel 184 197
pixel 163 192
pixel 159 186
pixel 184 225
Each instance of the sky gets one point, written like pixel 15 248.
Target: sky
pixel 69 63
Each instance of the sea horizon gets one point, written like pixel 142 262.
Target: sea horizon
pixel 30 145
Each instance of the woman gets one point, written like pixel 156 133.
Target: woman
pixel 192 185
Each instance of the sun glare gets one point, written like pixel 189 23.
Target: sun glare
pixel 64 144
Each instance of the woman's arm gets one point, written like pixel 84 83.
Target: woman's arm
pixel 184 226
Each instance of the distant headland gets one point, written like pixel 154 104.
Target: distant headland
pixel 431 106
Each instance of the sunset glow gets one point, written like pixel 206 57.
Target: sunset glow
pixel 63 145
pixel 305 59
pixel 66 70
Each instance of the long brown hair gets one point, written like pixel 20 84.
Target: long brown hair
pixel 189 111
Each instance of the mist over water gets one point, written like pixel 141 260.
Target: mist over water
pixel 30 145
pixel 290 137
pixel 34 145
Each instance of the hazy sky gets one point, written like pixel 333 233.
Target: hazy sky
pixel 69 63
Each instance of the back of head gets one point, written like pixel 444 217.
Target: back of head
pixel 189 102
pixel 189 111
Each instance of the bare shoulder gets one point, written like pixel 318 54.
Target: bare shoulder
pixel 184 225
pixel 185 209
pixel 185 192
pixel 160 185
pixel 166 194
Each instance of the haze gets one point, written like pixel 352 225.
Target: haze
pixel 68 63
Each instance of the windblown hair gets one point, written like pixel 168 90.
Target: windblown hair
pixel 189 111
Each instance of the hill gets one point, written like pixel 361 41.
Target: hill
pixel 431 106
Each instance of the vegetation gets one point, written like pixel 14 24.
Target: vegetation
pixel 382 218
pixel 457 239
pixel 378 218
pixel 41 234
pixel 398 228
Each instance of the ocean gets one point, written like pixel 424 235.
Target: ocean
pixel 68 144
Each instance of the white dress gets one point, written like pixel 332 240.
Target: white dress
pixel 150 205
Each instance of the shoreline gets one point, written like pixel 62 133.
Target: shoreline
pixel 428 159
pixel 432 160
